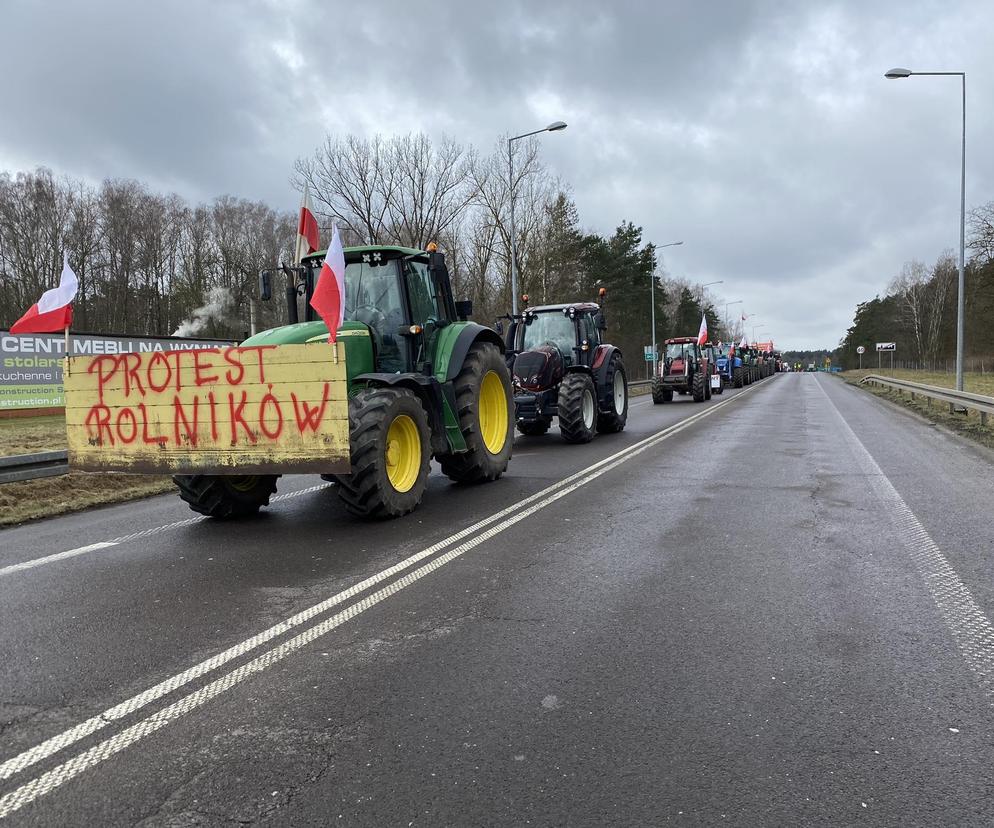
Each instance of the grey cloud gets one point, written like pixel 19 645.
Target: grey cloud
pixel 761 133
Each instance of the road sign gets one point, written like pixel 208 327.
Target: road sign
pixel 861 350
pixel 650 355
pixel 886 346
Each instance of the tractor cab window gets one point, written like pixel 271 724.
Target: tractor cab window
pixel 588 330
pixel 550 328
pixel 681 350
pixel 372 296
pixel 421 292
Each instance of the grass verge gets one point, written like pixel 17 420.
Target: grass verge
pixel 50 496
pixel 966 424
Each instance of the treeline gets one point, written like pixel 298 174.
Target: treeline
pixel 145 261
pixel 154 264
pixel 919 311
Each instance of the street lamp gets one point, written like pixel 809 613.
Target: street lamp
pixel 652 302
pixel 727 306
pixel 754 329
pixel 555 126
pixel 896 74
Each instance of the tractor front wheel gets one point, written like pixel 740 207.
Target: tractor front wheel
pixel 577 408
pixel 613 420
pixel 737 377
pixel 391 449
pixel 659 394
pixel 485 409
pixel 225 496
pixel 699 387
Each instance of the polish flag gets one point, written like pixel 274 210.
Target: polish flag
pixel 53 312
pixel 308 238
pixel 329 295
pixel 702 334
pixel 743 343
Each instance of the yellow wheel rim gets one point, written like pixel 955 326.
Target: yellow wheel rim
pixel 403 453
pixel 493 412
pixel 243 483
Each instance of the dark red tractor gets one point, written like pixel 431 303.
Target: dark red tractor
pixel 685 369
pixel 561 369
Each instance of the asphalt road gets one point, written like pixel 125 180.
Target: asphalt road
pixel 769 609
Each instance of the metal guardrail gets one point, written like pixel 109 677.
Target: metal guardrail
pixel 32 466
pixel 955 399
pixel 640 386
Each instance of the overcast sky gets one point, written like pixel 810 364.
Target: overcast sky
pixel 762 134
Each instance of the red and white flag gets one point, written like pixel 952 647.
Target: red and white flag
pixel 308 237
pixel 702 334
pixel 743 343
pixel 329 295
pixel 53 312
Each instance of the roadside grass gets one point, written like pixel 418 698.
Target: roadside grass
pixel 50 496
pixel 25 435
pixel 966 424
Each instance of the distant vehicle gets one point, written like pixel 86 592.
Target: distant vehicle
pixel 685 369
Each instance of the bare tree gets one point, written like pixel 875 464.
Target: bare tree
pixel 982 232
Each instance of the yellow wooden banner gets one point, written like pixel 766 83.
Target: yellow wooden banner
pixel 269 409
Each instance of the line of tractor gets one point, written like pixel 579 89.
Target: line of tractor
pixel 423 382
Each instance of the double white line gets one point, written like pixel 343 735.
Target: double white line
pixel 457 545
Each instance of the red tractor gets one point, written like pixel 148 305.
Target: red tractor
pixel 561 369
pixel 686 369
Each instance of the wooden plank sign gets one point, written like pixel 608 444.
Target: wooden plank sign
pixel 269 409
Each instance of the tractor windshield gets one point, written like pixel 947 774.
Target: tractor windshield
pixel 550 327
pixel 681 350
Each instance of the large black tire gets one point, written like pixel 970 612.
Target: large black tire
pixel 534 428
pixel 481 463
pixel 707 386
pixel 700 387
pixel 737 377
pixel 389 474
pixel 226 496
pixel 659 392
pixel 616 382
pixel 577 408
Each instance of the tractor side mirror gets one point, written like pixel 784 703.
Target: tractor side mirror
pixel 601 322
pixel 464 309
pixel 499 327
pixel 265 285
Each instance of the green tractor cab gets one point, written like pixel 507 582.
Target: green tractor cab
pixel 423 383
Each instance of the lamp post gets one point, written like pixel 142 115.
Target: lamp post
pixel 555 126
pixel 652 304
pixel 897 74
pixel 754 329
pixel 727 326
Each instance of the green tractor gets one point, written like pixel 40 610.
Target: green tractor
pixel 423 383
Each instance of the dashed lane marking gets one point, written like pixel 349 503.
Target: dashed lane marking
pixel 61 774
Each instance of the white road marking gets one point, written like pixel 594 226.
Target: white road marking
pixel 144 533
pixel 969 627
pixel 43 784
pixel 58 556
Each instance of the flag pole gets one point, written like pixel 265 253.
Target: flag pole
pixel 67 349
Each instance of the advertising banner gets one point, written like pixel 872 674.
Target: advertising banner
pixel 31 365
pixel 249 410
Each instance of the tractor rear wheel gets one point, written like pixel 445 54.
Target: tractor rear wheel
pixel 659 394
pixel 226 496
pixel 737 377
pixel 485 408
pixel 707 386
pixel 577 408
pixel 698 387
pixel 534 428
pixel 616 380
pixel 391 449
